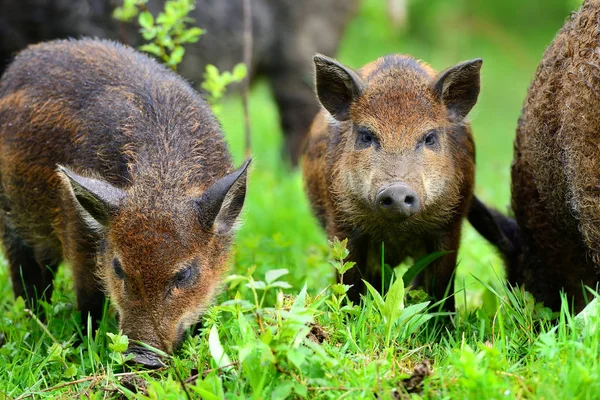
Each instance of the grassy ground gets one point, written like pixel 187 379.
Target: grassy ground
pixel 296 337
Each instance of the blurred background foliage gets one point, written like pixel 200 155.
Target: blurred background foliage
pixel 510 35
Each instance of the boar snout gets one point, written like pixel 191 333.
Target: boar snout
pixel 145 357
pixel 398 200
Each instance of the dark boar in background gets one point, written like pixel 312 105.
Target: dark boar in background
pixel 113 163
pixel 286 35
pixel 390 159
pixel 554 244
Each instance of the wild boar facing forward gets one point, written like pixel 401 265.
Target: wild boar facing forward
pixel 113 163
pixel 390 159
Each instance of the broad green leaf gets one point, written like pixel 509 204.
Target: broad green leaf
pixel 176 55
pixel 55 352
pixel 239 71
pixel 149 34
pixel 379 303
pixel 300 390
pixel 296 357
pixel 258 285
pixel 146 20
pixel 394 301
pixel 217 351
pixel 245 350
pixel 300 301
pixel 274 274
pixel 152 49
pixel 346 266
pixel 191 35
pixel 205 394
pixel 281 285
pixel 282 390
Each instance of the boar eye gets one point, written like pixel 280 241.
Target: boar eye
pixel 364 138
pixel 182 277
pixel 431 139
pixel 118 269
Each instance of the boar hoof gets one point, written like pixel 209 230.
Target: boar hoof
pixel 145 357
pixel 398 200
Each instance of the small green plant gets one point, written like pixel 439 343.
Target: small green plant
pixel 393 312
pixel 168 33
pixel 216 82
pixel 118 345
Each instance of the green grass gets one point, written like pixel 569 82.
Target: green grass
pixel 500 344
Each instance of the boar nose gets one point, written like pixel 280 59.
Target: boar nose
pixel 145 357
pixel 398 199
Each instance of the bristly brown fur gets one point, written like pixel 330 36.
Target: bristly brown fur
pixel 139 133
pixel 556 167
pixel 399 104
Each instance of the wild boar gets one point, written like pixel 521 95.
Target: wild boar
pixel 286 33
pixel 554 241
pixel 115 164
pixel 390 159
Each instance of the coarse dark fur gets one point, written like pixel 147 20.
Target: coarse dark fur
pixel 286 33
pixel 399 101
pixel 554 244
pixel 113 163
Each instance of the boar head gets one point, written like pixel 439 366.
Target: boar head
pixel 162 254
pixel 401 138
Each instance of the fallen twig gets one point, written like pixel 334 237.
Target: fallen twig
pixel 208 371
pixel 83 380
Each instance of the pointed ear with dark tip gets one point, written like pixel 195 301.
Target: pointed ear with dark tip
pixel 98 198
pixel 337 86
pixel 458 87
pixel 221 204
pixel 498 229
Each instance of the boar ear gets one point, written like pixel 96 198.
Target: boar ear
pixel 499 230
pixel 98 198
pixel 337 86
pixel 221 204
pixel 458 87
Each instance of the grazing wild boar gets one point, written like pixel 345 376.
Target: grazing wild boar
pixel 390 159
pixel 286 33
pixel 554 243
pixel 115 164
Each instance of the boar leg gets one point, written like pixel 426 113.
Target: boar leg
pixel 439 276
pixel 358 248
pixel 90 297
pixel 31 276
pixel 297 107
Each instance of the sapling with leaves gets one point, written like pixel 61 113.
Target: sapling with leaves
pixel 166 37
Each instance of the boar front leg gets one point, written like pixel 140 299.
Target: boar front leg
pixel 90 297
pixel 359 251
pixel 439 276
pixel 31 274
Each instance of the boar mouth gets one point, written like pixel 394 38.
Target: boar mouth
pixel 145 357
